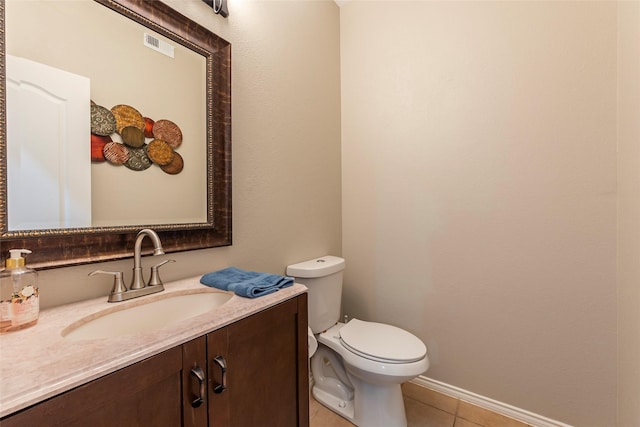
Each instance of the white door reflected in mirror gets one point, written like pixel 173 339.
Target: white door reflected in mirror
pixel 48 168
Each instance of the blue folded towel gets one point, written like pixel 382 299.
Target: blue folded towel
pixel 247 284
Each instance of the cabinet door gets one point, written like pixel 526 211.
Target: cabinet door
pixel 266 380
pixel 194 383
pixel 147 393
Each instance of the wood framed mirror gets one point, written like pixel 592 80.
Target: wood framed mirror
pixel 108 240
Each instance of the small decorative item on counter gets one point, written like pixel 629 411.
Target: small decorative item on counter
pixel 19 303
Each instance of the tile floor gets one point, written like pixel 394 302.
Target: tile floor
pixel 425 408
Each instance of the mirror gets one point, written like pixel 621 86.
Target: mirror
pixel 161 91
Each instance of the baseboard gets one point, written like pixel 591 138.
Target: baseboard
pixel 487 403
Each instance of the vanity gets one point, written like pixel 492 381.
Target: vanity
pixel 242 363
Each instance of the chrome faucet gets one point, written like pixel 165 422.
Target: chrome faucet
pixel 137 282
pixel 138 288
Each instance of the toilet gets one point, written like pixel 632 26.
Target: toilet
pixel 358 366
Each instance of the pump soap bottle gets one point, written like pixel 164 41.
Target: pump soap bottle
pixel 19 304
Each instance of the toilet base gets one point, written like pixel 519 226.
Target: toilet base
pixel 344 408
pixel 378 405
pixel 382 407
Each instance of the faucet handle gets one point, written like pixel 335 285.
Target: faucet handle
pixel 155 280
pixel 118 282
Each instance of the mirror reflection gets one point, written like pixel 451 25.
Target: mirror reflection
pixel 135 63
pixel 68 61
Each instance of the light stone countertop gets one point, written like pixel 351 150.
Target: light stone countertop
pixel 37 362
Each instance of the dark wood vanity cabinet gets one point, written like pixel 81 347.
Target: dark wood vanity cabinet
pixel 144 394
pixel 253 372
pixel 262 378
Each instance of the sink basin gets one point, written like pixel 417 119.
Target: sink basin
pixel 145 317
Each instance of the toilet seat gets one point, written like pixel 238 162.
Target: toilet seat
pixel 381 342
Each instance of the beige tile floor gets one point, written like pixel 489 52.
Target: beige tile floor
pixel 418 415
pixel 425 408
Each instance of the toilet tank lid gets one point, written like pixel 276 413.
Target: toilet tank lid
pixel 318 267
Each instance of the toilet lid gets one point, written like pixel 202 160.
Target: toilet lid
pixel 381 342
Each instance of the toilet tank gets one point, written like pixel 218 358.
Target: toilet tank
pixel 323 277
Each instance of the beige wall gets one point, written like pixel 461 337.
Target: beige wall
pixel 286 146
pixel 628 214
pixel 479 193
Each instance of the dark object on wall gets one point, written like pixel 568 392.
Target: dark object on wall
pixel 72 246
pixel 133 127
pixel 176 165
pixel 97 147
pixel 103 122
pixel 168 131
pixel 138 159
pixel 218 6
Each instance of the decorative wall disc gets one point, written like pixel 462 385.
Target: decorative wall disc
pixel 138 159
pixel 132 136
pixel 97 147
pixel 116 153
pixel 176 165
pixel 103 122
pixel 169 132
pixel 127 116
pixel 160 152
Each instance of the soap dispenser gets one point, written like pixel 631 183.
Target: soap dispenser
pixel 19 303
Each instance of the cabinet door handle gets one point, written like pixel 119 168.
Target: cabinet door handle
pixel 197 372
pixel 219 360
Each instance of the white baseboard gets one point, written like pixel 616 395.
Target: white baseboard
pixel 487 403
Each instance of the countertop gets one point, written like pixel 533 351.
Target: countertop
pixel 37 362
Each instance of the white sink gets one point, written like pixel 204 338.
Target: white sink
pixel 145 316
